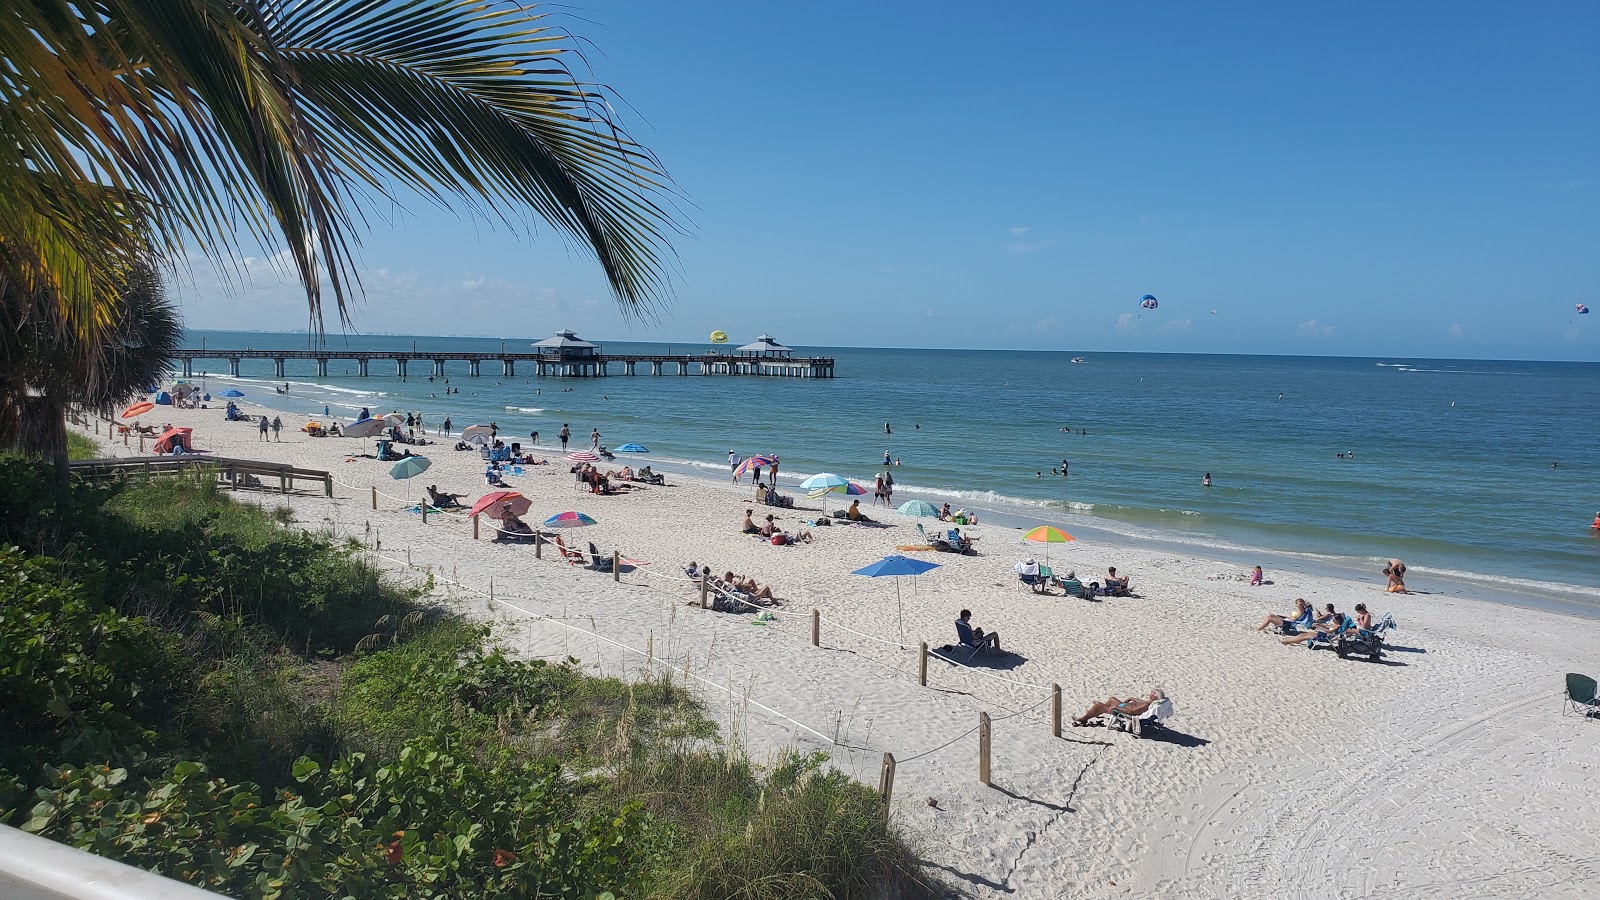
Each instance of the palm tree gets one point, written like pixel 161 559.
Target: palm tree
pixel 45 368
pixel 280 121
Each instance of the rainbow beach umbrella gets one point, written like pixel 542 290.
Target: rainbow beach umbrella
pixel 569 519
pixel 757 461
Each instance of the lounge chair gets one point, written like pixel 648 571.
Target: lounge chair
pixel 1148 721
pixel 1038 582
pixel 597 562
pixel 1368 642
pixel 574 557
pixel 1583 696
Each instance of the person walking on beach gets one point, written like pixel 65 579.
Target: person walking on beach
pixel 265 424
pixel 447 426
pixel 420 429
pixel 277 426
pixel 594 439
pixel 755 472
pixel 564 434
pixel 733 465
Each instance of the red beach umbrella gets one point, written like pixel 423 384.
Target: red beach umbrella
pixel 519 504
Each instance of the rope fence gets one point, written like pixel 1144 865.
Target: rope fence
pixel 707 587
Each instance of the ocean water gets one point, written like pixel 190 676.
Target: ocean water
pixel 1486 469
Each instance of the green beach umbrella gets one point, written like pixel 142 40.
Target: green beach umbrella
pixel 920 508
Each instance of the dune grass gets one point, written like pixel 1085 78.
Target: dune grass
pixel 258 682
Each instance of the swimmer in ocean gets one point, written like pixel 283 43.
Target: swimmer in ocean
pixel 1206 481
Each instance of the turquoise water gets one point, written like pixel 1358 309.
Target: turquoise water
pixel 1452 466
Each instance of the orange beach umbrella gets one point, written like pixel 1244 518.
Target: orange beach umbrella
pixel 138 409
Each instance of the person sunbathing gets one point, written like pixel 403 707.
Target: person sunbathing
pixel 439 500
pixel 1301 618
pixel 1128 707
pixel 779 536
pixel 748 526
pixel 1327 626
pixel 854 513
pixel 755 590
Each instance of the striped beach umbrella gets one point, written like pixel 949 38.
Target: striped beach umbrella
pixel 583 456
pixel 569 519
pixel 824 481
pixel 753 462
pixel 633 448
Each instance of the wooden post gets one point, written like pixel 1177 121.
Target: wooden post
pixel 922 664
pixel 1055 710
pixel 424 506
pixel 705 586
pixel 474 527
pixel 141 442
pixel 491 588
pixel 816 628
pixel 374 496
pixel 538 546
pixel 616 565
pixel 327 485
pixel 283 484
pixel 886 781
pixel 983 748
pixel 650 647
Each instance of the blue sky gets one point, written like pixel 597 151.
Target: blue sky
pixel 1354 179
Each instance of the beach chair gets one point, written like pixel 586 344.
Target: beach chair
pixel 966 640
pixel 1582 696
pixel 1146 722
pixel 597 562
pixel 1036 582
pixel 573 557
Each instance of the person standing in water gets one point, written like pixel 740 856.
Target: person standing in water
pixel 887 429
pixel 564 434
pixel 1206 481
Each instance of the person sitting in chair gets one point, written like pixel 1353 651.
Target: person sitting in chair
pixel 492 476
pixel 1300 618
pixel 442 501
pixel 975 637
pixel 1130 707
pixel 1115 586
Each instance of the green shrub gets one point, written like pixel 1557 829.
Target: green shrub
pixel 81 446
pixel 76 678
pixel 432 822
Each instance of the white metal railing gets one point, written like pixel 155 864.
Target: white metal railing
pixel 34 868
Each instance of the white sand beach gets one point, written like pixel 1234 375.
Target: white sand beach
pixel 1446 770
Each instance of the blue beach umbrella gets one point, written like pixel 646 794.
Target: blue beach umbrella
pixel 895 566
pixel 409 467
pixel 633 448
pixel 230 392
pixel 824 481
pixel 921 508
pixel 364 429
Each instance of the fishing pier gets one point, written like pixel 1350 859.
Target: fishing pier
pixel 564 355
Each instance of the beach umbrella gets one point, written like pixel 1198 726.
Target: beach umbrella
pixel 470 431
pixel 633 448
pixel 479 440
pixel 748 464
pixel 138 409
pixel 1047 535
pixel 230 392
pixel 824 481
pixel 921 508
pixel 364 429
pixel 409 467
pixel 519 504
pixel 583 456
pixel 895 566
pixel 568 519
pixel 393 419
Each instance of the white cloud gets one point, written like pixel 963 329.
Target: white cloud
pixel 1019 231
pixel 472 283
pixel 1047 324
pixel 930 313
pixel 1314 328
pixel 1177 325
pixel 1454 330
pixel 1028 247
pixel 1127 321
